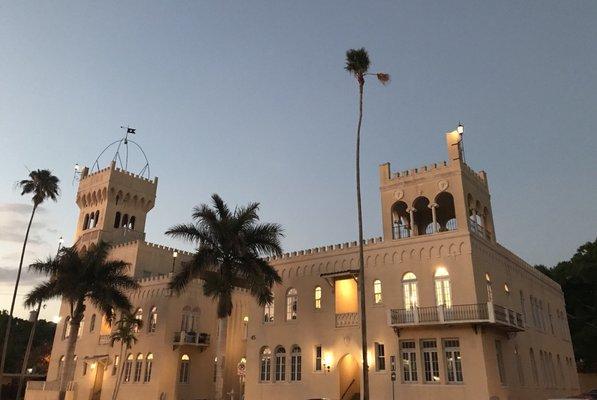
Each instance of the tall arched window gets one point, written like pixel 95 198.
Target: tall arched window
pixel 60 367
pixel 443 296
pixel 117 220
pixel 86 222
pixel 268 313
pixel 295 364
pixel 377 297
pixel 148 367
pixel 132 222
pixel 185 363
pixel 139 317
pixel 66 328
pixel 125 221
pixel 153 319
pixel 138 367
pixel 409 286
pixel 92 323
pixel 489 288
pixel 128 367
pixel 280 374
pixel 265 361
pixel 291 304
pixel 96 219
pixel 317 297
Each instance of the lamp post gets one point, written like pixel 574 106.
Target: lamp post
pixel 174 255
pixel 31 335
pixel 460 130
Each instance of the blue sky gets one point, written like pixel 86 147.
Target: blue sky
pixel 250 100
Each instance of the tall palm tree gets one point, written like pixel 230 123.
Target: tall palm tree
pixel 357 64
pixel 43 185
pixel 231 247
pixel 126 328
pixel 79 278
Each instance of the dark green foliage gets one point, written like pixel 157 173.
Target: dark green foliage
pixel 578 279
pixel 42 343
pixel 42 184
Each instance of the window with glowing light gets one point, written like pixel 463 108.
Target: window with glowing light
pixel 377 297
pixel 443 295
pixel 409 287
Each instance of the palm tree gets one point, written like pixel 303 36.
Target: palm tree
pixel 231 247
pixel 126 328
pixel 79 278
pixel 357 64
pixel 43 185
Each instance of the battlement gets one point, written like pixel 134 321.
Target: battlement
pixel 167 248
pixel 417 171
pixel 86 176
pixel 325 249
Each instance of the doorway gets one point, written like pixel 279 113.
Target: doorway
pixel 350 378
pixel 96 391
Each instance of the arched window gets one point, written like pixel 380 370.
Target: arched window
pixel 92 323
pixel 265 361
pixel 280 374
pixel 317 297
pixel 268 313
pixel 377 298
pixel 185 363
pixel 86 222
pixel 80 330
pixel 291 304
pixel 443 296
pixel 96 219
pixel 445 214
pixel 138 317
pixel 422 215
pixel 489 288
pixel 148 368
pixel 400 221
pixel 295 364
pixel 60 367
pixel 506 289
pixel 138 367
pixel 128 367
pixel 117 220
pixel 66 328
pixel 153 319
pixel 409 286
pixel 125 221
pixel 132 223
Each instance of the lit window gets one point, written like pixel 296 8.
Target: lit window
pixel 443 296
pixel 139 317
pixel 115 365
pixel 318 298
pixel 266 364
pixel 506 288
pixel 318 359
pixel 408 354
pixel 184 369
pixel 377 291
pixel 148 367
pixel 280 374
pixel 295 364
pixel 138 367
pixel 453 360
pixel 489 287
pixel 128 366
pixel 430 361
pixel 268 313
pixel 409 287
pixel 60 368
pixel 380 357
pixel 291 304
pixel 66 328
pixel 153 319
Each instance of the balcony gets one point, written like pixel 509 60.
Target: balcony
pixel 49 386
pixel 482 313
pixel 478 229
pixel 347 319
pixel 182 338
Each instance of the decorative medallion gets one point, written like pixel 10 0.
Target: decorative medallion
pixel 442 185
pixel 398 194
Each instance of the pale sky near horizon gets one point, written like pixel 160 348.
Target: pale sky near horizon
pixel 250 100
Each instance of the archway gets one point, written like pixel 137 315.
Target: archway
pixel 349 378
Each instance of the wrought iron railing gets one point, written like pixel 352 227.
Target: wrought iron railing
pixel 191 338
pixel 347 319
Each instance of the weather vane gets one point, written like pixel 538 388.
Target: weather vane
pixel 121 155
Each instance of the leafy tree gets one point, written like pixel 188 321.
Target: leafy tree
pixel 43 185
pixel 79 277
pixel 231 247
pixel 126 329
pixel 578 279
pixel 357 64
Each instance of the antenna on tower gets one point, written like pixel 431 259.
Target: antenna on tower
pixel 122 151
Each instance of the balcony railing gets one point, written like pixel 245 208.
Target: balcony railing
pixel 347 319
pixel 478 230
pixel 104 339
pixel 49 385
pixel 482 313
pixel 191 338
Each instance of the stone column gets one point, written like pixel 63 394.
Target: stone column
pixel 411 212
pixel 433 206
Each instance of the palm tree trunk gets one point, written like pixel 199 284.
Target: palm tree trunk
pixel 69 362
pixel 119 372
pixel 27 352
pixel 14 297
pixel 221 356
pixel 361 256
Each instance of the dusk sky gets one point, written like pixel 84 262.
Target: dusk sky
pixel 250 100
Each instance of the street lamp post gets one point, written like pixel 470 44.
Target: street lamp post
pixel 31 335
pixel 174 255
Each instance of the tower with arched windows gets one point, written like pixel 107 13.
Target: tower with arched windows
pixel 113 205
pixel 436 198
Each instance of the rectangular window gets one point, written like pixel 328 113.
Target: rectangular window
pixel 115 366
pixel 184 372
pixel 453 360
pixel 138 367
pixel 380 357
pixel 408 355
pixel 500 361
pixel 268 313
pixel 430 361
pixel 318 359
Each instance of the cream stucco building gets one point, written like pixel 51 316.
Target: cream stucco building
pixel 451 313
